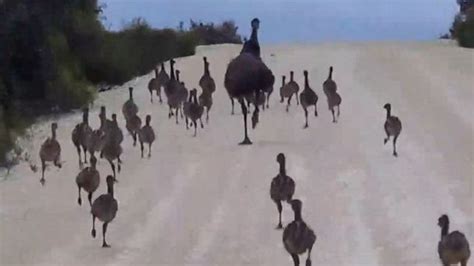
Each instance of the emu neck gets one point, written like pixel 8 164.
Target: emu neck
pixel 110 189
pixel 330 74
pixel 389 113
pixel 85 119
pixel 283 81
pixel 206 69
pixel 102 120
pixel 282 168
pixel 172 71
pixel 254 36
pixel 306 83
pixel 444 230
pixel 291 76
pixel 147 123
pixel 53 133
pixel 131 95
pixel 177 76
pixel 156 72
pixel 162 66
pixel 298 215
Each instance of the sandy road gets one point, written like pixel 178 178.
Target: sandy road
pixel 205 201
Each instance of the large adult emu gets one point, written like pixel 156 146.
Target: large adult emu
pixel 247 74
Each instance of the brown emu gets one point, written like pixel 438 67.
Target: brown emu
pixel 50 151
pixel 194 110
pixel 146 135
pixel 171 87
pixel 282 187
pixel 334 100
pixel 308 98
pixel 206 82
pixel 393 127
pixel 453 248
pixel 157 82
pixel 88 179
pixel 129 108
pixel 205 100
pixel 298 237
pixel 247 74
pixel 104 208
pixel 81 135
pixel 329 85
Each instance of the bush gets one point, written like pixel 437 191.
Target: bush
pixel 463 28
pixel 66 88
pixel 211 34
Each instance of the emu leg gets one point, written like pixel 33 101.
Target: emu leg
pixel 79 200
pixel 308 260
pixel 232 102
pixel 89 197
pixel 158 93
pixel 151 95
pixel 170 112
pixel 134 136
pixel 280 208
pixel 93 227
pixel 395 146
pixel 141 147
pixel 256 111
pixel 176 115
pixel 195 128
pixel 119 164
pixel 296 260
pixel 113 169
pixel 306 117
pixel 78 148
pixel 246 140
pixel 333 116
pixel 149 150
pixel 289 103
pixel 104 231
pixel 84 148
pixel 387 138
pixel 43 167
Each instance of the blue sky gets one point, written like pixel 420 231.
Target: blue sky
pixel 286 21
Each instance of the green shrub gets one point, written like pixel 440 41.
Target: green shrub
pixel 463 28
pixel 67 88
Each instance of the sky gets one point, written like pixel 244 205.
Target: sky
pixel 298 21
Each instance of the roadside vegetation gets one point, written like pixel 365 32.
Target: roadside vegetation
pixel 462 29
pixel 54 53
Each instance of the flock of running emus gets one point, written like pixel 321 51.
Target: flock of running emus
pixel 248 81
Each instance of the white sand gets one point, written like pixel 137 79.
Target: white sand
pixel 205 200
